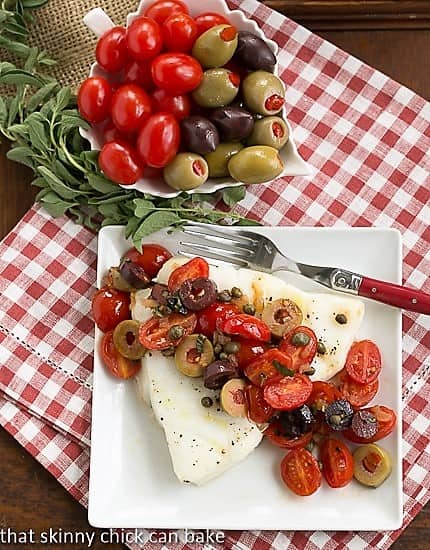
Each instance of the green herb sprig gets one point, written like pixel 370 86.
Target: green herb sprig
pixel 42 123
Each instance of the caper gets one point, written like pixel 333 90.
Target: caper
pixel 218 160
pixel 218 348
pixel 310 371
pixel 223 356
pixel 300 339
pixel 341 319
pixel 216 46
pixel 168 352
pixel 224 296
pixel 206 402
pixel 263 92
pixel 175 332
pixel 321 349
pixel 249 309
pixel 236 292
pixel 256 164
pixel 232 347
pixel 218 88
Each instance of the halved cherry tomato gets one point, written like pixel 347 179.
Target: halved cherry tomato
pixel 194 269
pixel 302 356
pixel 161 10
pixel 300 472
pixel 120 162
pixel 247 326
pixel 207 20
pixel 323 394
pixel 258 410
pixel 151 259
pixel 109 307
pixel 154 333
pixel 274 434
pixel 131 106
pixel 271 365
pixel 248 351
pixel 111 50
pixel 363 362
pixel 144 40
pixel 179 32
pixel 177 105
pixel 119 366
pixel 337 462
pixel 177 73
pixel 208 319
pixel 357 394
pixel 139 74
pixel 94 99
pixel 289 392
pixel 158 140
pixel 386 419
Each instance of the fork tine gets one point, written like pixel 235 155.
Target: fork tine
pixel 205 229
pixel 223 255
pixel 215 261
pixel 225 241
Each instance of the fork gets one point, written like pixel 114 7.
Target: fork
pixel 251 250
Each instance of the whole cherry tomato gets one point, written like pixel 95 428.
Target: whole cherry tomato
pixel 119 366
pixel 144 40
pixel 161 10
pixel 179 32
pixel 357 394
pixel 300 472
pixel 109 307
pixel 94 99
pixel 177 73
pixel 140 74
pixel 289 392
pixel 151 259
pixel 247 326
pixel 302 355
pixel 323 394
pixel 194 269
pixel 209 318
pixel 363 362
pixel 271 365
pixel 154 334
pixel 158 140
pixel 386 419
pixel 177 105
pixel 258 410
pixel 111 50
pixel 337 462
pixel 207 20
pixel 131 106
pixel 248 351
pixel 275 435
pixel 120 162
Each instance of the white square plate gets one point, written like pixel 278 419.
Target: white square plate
pixel 132 483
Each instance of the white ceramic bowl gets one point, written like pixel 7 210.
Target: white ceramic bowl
pixel 99 22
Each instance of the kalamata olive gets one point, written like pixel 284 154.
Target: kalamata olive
pixel 160 293
pixel 216 46
pixel 218 88
pixel 271 131
pixel 254 53
pixel 256 164
pixel 364 424
pixel 116 280
pixel 218 373
pixel 281 316
pixel 338 414
pixel 218 159
pixel 126 340
pixel 198 293
pixel 233 123
pixel 199 135
pixel 263 93
pixel 134 274
pixel 296 422
pixel 193 354
pixel 186 171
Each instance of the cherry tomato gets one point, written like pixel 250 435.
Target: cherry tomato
pixel 300 472
pixel 131 106
pixel 194 269
pixel 289 392
pixel 302 356
pixel 275 435
pixel 249 350
pixel 363 362
pixel 111 133
pixel 120 162
pixel 247 326
pixel 151 259
pixel 323 394
pixel 177 73
pixel 179 32
pixel 109 307
pixel 208 319
pixel 111 50
pixel 386 419
pixel 207 20
pixel 118 365
pixel 258 410
pixel 139 74
pixel 154 333
pixel 144 40
pixel 178 105
pixel 337 462
pixel 161 10
pixel 357 394
pixel 158 140
pixel 94 99
pixel 271 365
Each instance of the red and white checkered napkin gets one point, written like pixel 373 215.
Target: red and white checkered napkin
pixel 368 140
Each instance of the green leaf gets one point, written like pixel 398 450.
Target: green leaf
pixel 63 98
pixel 41 96
pixel 142 207
pixel 107 199
pixel 154 222
pixel 13 110
pixel 57 185
pixel 31 4
pixel 58 209
pixel 19 130
pixel 39 182
pixel 16 77
pixel 101 184
pixel 23 155
pixel 5 66
pixel 247 221
pixel 65 174
pixel 233 195
pixel 31 59
pixel 131 226
pixel 38 136
pixel 3 112
pixel 15 47
pixel 111 211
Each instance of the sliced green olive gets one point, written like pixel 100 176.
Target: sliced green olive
pixel 193 355
pixel 281 316
pixel 372 465
pixel 126 340
pixel 233 399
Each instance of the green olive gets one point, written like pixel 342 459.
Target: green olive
pixel 216 46
pixel 263 93
pixel 281 316
pixel 271 131
pixel 372 465
pixel 218 159
pixel 186 171
pixel 233 399
pixel 256 164
pixel 193 355
pixel 126 340
pixel 218 88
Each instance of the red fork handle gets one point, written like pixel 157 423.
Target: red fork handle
pixel 395 295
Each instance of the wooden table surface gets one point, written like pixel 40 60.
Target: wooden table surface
pixel 29 496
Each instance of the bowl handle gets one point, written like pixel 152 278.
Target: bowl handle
pixel 98 21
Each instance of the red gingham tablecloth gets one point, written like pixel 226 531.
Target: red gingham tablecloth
pixel 368 140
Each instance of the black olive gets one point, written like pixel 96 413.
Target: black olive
pixel 134 274
pixel 364 424
pixel 198 294
pixel 233 123
pixel 338 414
pixel 175 304
pixel 199 135
pixel 297 422
pixel 218 373
pixel 160 293
pixel 254 53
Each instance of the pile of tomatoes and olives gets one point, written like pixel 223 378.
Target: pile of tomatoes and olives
pixel 259 361
pixel 189 98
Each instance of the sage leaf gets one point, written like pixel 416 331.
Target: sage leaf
pixel 247 221
pixel 58 209
pixel 153 223
pixel 233 195
pixel 38 137
pixel 3 112
pixel 20 77
pixel 31 59
pixel 41 96
pixel 63 98
pixel 33 3
pixel 23 155
pixel 142 207
pixel 131 226
pixel 57 185
pixel 65 174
